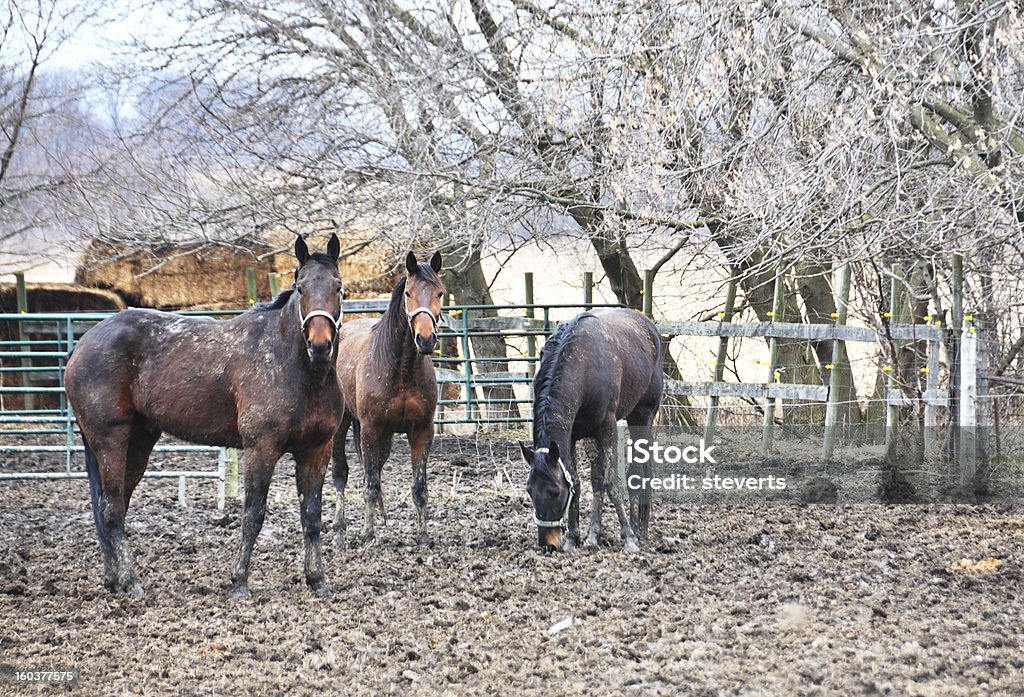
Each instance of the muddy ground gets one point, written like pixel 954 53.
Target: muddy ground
pixel 847 599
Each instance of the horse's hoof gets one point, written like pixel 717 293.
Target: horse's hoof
pixel 423 539
pixel 340 541
pixel 631 546
pixel 241 593
pixel 591 541
pixel 321 589
pixel 568 544
pixel 134 589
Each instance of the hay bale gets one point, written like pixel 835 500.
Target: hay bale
pixel 199 277
pixel 44 297
pixel 171 276
pixel 59 297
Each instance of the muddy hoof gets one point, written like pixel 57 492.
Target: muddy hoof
pixel 631 546
pixel 340 541
pixel 568 545
pixel 241 593
pixel 321 589
pixel 423 539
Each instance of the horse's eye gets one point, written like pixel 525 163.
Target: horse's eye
pixel 440 295
pixel 298 288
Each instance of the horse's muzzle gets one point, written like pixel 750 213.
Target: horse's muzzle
pixel 426 344
pixel 319 351
pixel 550 539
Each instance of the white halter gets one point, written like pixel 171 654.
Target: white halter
pixel 561 522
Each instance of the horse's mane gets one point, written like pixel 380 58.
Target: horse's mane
pixel 276 304
pixel 543 383
pixel 282 298
pixel 391 333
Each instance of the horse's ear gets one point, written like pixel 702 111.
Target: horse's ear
pixel 334 247
pixel 528 454
pixel 301 250
pixel 410 263
pixel 435 262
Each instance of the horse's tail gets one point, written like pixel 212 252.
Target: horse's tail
pixel 92 466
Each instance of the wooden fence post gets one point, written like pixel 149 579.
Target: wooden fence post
pixel 531 341
pixel 723 349
pixel 250 285
pixel 968 401
pixel 931 398
pixel 588 289
pixel 953 357
pixel 231 487
pixel 21 291
pixel 778 315
pixel 649 294
pixel 835 369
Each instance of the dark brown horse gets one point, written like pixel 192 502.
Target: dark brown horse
pixel 264 381
pixel 597 368
pixel 388 385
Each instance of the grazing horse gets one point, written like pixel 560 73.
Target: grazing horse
pixel 388 386
pixel 264 381
pixel 597 368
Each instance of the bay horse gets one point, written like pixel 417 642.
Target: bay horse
pixel 599 367
pixel 263 381
pixel 388 386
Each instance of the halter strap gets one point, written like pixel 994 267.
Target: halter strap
pixel 304 320
pixel 561 522
pixel 423 309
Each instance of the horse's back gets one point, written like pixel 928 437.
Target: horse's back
pixel 624 345
pixel 162 366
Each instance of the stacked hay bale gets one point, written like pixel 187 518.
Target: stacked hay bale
pixel 198 276
pixel 43 297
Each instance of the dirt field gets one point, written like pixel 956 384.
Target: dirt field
pixel 755 600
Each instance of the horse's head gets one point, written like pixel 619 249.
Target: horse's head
pixel 424 292
pixel 319 291
pixel 551 488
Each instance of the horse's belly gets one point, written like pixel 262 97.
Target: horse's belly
pixel 197 413
pixel 402 414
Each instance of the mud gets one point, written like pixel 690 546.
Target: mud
pixel 826 599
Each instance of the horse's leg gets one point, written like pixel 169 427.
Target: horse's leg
pixel 310 467
pixel 376 447
pixel 111 450
pixel 140 447
pixel 340 473
pixel 605 444
pixel 259 469
pixel 640 501
pixel 597 486
pixel 419 443
pixel 572 537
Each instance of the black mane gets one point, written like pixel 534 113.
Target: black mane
pixel 543 383
pixel 277 303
